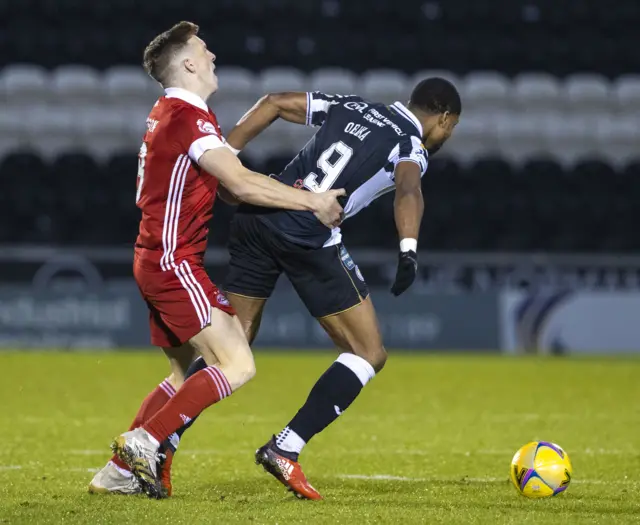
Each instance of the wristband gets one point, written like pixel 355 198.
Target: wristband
pixel 408 245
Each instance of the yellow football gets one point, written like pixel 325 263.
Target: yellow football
pixel 541 469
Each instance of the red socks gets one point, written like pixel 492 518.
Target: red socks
pixel 151 404
pixel 202 389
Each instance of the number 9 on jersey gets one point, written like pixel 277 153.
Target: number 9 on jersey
pixel 331 170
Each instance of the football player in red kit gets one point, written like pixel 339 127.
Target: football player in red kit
pixel 182 161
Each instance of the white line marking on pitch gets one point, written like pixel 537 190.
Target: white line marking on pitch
pixel 388 477
pixel 370 452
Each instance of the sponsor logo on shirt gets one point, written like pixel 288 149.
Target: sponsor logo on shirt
pixel 206 127
pixel 152 124
pixel 222 299
pixel 356 106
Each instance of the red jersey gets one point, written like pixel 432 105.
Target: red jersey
pixel 175 195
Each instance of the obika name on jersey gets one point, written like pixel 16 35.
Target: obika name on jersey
pixel 357 148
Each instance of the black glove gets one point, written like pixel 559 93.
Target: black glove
pixel 406 274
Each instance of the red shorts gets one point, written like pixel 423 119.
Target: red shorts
pixel 179 300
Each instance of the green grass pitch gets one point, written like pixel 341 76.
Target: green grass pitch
pixel 429 441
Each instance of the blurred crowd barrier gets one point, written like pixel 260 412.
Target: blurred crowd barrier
pixel 77 299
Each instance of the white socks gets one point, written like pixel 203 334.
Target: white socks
pixel 289 441
pixel 359 366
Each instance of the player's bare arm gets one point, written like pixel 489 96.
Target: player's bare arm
pixel 290 106
pixel 255 188
pixel 408 210
pixel 408 203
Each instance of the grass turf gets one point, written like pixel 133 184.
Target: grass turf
pixel 429 441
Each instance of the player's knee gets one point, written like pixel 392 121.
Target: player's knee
pixel 375 355
pixel 379 359
pixel 241 372
pixel 249 371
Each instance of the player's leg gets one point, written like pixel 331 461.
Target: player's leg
pixel 357 334
pixel 223 344
pixel 253 271
pixel 332 288
pixel 252 275
pixel 116 477
pixel 249 311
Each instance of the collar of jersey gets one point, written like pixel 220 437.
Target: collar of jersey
pixel 187 96
pixel 408 115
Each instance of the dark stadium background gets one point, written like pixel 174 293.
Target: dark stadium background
pixel 531 207
pixel 529 245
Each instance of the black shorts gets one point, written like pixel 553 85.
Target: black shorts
pixel 326 279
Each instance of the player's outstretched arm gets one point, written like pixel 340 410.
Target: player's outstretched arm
pixel 408 210
pixel 255 188
pixel 290 106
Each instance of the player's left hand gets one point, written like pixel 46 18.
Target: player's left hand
pixel 406 273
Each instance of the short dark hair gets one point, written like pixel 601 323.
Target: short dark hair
pixel 158 54
pixel 436 95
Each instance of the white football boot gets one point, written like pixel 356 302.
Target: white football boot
pixel 140 451
pixel 111 480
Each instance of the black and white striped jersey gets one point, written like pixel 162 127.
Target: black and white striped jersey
pixel 357 148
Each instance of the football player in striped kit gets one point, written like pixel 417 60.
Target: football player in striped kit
pixel 368 149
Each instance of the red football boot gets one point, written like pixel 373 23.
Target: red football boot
pixel 165 472
pixel 286 470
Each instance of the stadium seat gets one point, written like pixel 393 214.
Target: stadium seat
pixel 22 203
pixel 128 86
pixel 236 85
pixel 571 138
pixel 278 79
pixel 442 73
pixel 507 36
pixel 277 139
pixel 103 131
pixel 23 84
pixel 384 85
pixel 333 81
pixel 587 93
pixel 485 91
pixel 73 85
pixel 57 124
pixel 488 205
pixel 593 177
pixel 521 137
pixel 618 138
pixel 536 93
pixel 229 113
pixel 473 136
pixel 626 92
pixel 13 132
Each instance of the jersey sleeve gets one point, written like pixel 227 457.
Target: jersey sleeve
pixel 197 133
pixel 411 150
pixel 319 105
